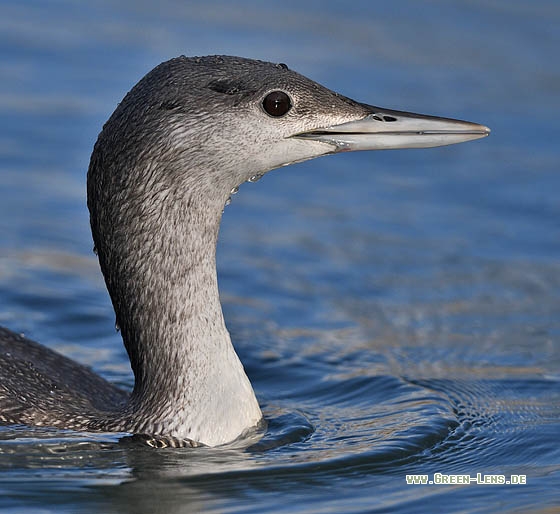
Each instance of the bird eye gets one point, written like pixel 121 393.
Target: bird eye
pixel 277 103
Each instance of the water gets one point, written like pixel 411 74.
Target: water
pixel 397 312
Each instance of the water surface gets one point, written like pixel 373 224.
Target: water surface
pixel 397 312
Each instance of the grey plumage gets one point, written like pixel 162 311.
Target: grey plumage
pixel 161 171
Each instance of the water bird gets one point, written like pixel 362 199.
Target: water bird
pixel 163 167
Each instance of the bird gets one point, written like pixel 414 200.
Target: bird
pixel 164 165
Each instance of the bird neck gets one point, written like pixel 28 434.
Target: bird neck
pixel 158 256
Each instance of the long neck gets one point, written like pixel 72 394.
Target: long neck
pixel 157 251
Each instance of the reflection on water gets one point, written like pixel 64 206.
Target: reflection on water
pixel 397 312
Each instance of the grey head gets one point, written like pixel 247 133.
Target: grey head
pixel 229 118
pixel 190 132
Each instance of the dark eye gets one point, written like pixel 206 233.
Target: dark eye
pixel 277 103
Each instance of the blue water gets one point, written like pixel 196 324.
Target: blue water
pixel 397 312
